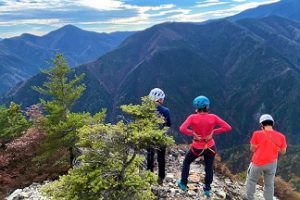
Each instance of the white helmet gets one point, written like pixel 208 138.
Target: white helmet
pixel 156 94
pixel 266 117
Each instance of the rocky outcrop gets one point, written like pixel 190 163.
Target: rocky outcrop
pixel 32 192
pixel 224 187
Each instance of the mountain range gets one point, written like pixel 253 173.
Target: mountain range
pixel 285 8
pixel 246 68
pixel 24 56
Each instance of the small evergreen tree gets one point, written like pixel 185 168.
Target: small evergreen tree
pixel 64 92
pixel 59 123
pixel 12 122
pixel 111 165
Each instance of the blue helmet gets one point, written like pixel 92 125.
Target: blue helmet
pixel 201 102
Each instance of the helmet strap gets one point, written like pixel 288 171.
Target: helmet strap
pixel 202 110
pixel 160 101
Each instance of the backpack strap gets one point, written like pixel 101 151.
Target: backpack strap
pixel 271 139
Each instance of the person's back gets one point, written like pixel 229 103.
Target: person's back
pixel 265 145
pixel 165 112
pixel 203 124
pixel 268 146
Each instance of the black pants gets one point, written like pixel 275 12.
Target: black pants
pixel 160 159
pixel 209 157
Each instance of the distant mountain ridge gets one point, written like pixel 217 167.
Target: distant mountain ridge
pixel 246 68
pixel 24 56
pixel 285 8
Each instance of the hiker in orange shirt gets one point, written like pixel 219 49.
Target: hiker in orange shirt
pixel 265 145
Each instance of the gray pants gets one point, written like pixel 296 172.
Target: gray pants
pixel 254 173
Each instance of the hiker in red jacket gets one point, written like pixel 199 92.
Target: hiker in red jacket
pixel 265 145
pixel 201 126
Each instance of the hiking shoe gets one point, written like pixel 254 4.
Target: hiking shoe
pixel 181 185
pixel 207 193
pixel 160 181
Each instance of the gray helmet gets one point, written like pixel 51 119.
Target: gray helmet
pixel 265 117
pixel 156 94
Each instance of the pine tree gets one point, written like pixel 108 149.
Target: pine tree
pixel 59 123
pixel 12 122
pixel 111 167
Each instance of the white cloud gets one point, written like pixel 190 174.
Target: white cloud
pixel 12 5
pixel 119 5
pixel 102 4
pixel 56 22
pixel 111 15
pixel 162 13
pixel 249 5
pixel 209 3
pixel 213 14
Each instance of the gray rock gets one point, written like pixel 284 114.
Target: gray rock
pixel 221 194
pixel 169 177
pixel 14 195
pixel 28 193
pixel 192 193
pixel 227 181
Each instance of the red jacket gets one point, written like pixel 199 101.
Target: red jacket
pixel 203 124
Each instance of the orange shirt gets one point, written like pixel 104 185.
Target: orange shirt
pixel 203 124
pixel 268 143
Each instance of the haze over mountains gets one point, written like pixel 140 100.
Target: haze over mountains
pixel 23 56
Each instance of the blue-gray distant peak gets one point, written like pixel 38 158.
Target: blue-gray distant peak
pixel 23 56
pixel 285 8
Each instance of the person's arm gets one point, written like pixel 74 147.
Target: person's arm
pixel 253 142
pixel 184 128
pixel 166 114
pixel 222 126
pixel 282 150
pixel 167 118
pixel 253 148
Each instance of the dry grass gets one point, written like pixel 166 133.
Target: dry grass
pixel 221 168
pixel 284 191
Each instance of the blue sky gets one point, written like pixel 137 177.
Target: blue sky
pixel 41 16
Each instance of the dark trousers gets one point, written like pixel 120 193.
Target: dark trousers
pixel 191 155
pixel 160 159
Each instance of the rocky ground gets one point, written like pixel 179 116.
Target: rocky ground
pixel 31 192
pixel 223 187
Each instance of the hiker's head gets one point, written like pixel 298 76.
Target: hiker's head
pixel 201 103
pixel 157 95
pixel 266 120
